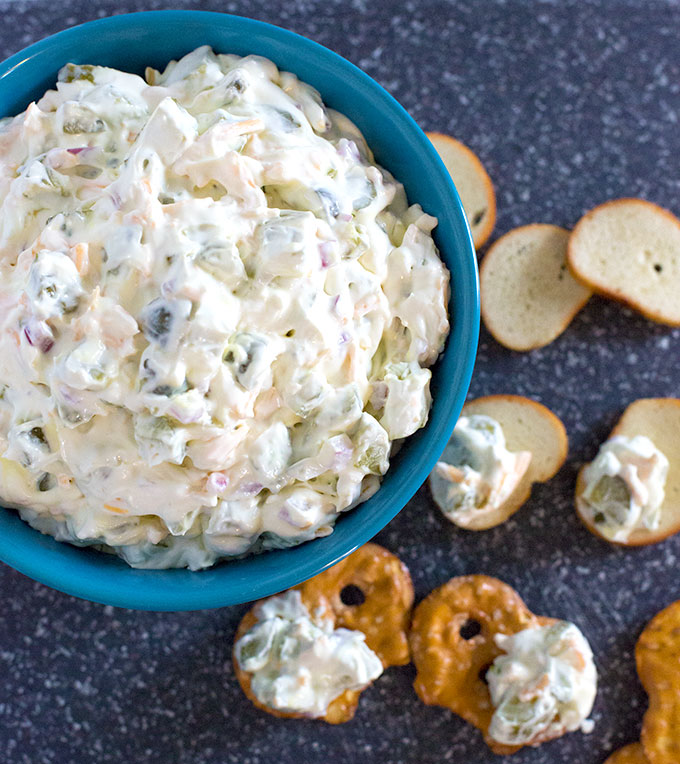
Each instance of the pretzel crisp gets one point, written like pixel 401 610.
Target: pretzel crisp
pixel 657 656
pixel 629 754
pixel 453 645
pixel 383 616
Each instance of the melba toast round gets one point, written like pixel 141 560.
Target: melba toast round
pixel 629 250
pixel 530 430
pixel 656 420
pixel 528 295
pixel 472 182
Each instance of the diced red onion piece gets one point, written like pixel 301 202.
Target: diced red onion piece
pixel 343 454
pixel 39 335
pixel 379 395
pixel 348 149
pixel 217 482
pixel 326 252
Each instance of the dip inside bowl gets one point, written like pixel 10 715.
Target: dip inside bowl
pixel 131 43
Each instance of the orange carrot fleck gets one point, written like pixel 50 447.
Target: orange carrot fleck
pixel 80 253
pixel 117 510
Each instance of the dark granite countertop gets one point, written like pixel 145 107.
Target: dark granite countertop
pixel 568 103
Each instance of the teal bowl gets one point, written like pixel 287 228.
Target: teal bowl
pixel 131 42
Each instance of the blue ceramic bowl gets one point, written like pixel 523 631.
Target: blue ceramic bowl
pixel 131 42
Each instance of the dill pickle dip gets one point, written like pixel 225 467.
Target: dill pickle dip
pixel 217 311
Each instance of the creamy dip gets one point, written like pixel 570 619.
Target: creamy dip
pixel 217 311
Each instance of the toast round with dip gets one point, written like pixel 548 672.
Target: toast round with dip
pixel 629 250
pixel 472 182
pixel 527 426
pixel 659 420
pixel 528 295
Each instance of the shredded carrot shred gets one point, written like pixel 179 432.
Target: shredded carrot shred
pixel 117 510
pixel 80 252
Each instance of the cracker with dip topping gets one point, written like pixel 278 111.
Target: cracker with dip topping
pixel 472 182
pixel 629 250
pixel 521 679
pixel 501 446
pixel 528 295
pixel 636 501
pixel 309 652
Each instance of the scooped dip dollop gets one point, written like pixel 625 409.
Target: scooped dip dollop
pixel 298 662
pixel 476 471
pixel 217 311
pixel 624 486
pixel 543 684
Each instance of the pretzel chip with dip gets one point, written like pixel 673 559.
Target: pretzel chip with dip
pixel 521 679
pixel 309 652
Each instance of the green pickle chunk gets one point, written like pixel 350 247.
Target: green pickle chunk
pixel 611 499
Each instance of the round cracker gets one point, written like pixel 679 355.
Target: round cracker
pixel 384 617
pixel 657 657
pixel 527 426
pixel 629 250
pixel 450 667
pixel 629 754
pixel 659 420
pixel 472 182
pixel 528 295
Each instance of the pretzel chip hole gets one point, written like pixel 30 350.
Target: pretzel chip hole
pixel 352 596
pixel 482 673
pixel 470 629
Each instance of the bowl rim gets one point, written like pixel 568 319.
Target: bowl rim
pixel 74 571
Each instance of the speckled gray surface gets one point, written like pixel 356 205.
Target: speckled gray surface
pixel 568 104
